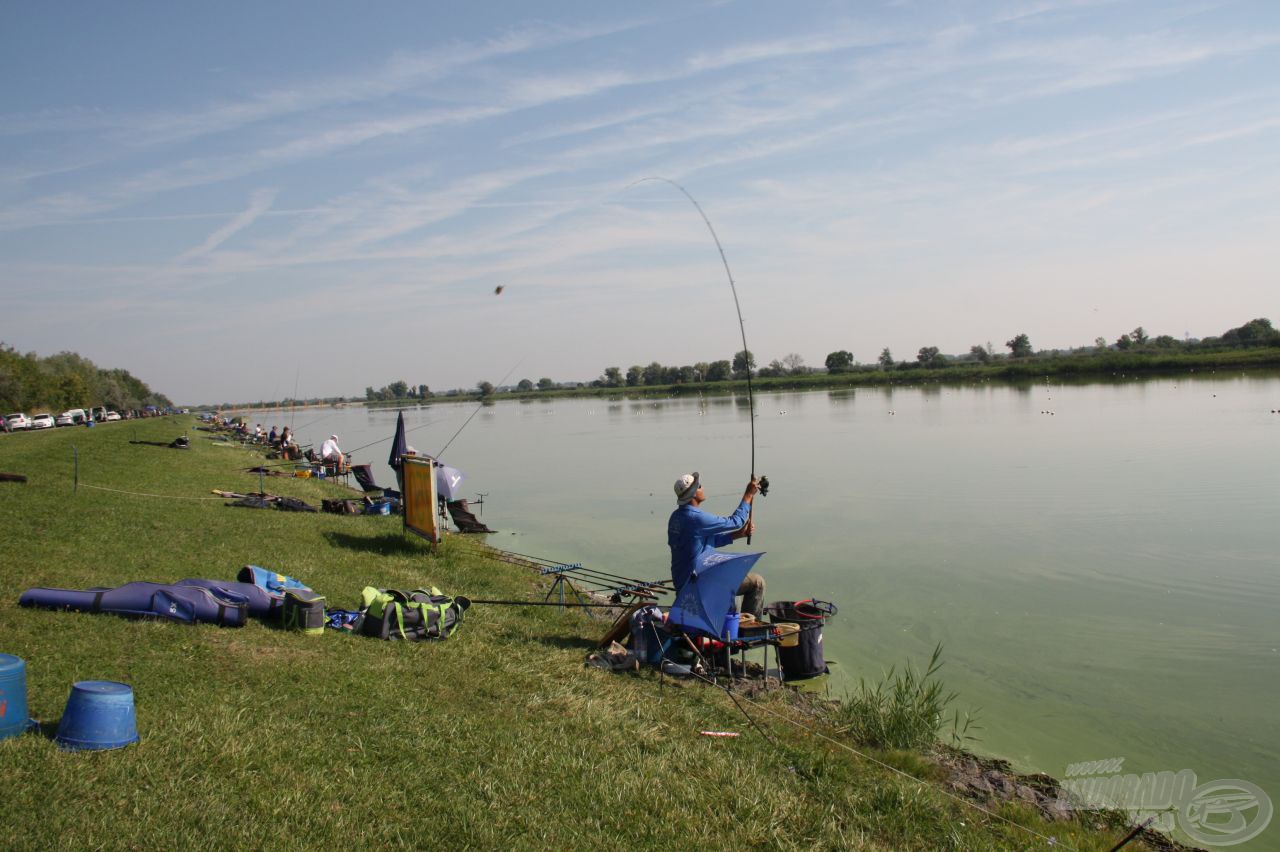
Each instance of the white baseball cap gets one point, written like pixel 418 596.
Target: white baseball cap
pixel 687 486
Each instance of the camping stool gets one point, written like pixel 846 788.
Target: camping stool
pixel 333 470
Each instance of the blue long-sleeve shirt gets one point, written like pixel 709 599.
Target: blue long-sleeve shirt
pixel 692 532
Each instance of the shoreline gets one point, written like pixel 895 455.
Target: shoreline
pixel 526 667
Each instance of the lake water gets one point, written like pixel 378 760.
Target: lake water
pixel 1100 561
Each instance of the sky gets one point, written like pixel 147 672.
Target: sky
pixel 236 200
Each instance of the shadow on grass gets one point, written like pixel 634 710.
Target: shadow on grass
pixel 386 544
pixel 570 643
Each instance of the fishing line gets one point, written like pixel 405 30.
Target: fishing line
pixel 406 431
pixel 813 731
pixel 293 400
pixel 746 350
pixel 501 381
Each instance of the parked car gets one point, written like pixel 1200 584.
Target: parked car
pixel 42 421
pixel 71 417
pixel 112 415
pixel 17 421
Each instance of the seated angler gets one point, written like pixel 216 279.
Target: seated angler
pixel 691 533
pixel 332 455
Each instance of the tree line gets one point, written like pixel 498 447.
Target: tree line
pixel 66 380
pixel 397 390
pixel 1257 332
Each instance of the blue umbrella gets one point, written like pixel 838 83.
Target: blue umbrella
pixel 398 444
pixel 704 601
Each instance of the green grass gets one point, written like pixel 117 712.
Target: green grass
pixel 496 738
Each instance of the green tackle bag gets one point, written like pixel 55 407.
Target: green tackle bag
pixel 303 610
pixel 411 616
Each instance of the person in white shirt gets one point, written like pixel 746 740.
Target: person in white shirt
pixel 330 452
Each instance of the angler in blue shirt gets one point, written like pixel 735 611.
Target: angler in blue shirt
pixel 691 533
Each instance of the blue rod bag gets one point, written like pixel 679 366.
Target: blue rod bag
pixel 260 602
pixel 189 604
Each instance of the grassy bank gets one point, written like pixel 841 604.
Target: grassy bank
pixel 498 737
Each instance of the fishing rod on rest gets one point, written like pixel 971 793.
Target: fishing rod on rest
pixel 763 485
pixel 609 581
pixel 588 576
pixel 556 563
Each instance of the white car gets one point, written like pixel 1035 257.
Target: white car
pixel 17 421
pixel 41 421
pixel 111 415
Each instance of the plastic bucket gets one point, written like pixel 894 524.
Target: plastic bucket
pixel 788 634
pixel 730 630
pixel 13 696
pixel 99 716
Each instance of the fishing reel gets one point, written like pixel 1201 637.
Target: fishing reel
pixel 763 486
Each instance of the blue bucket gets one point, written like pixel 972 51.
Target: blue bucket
pixel 730 632
pixel 13 696
pixel 99 716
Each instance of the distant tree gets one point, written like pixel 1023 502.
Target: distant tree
pixel 424 392
pixel 1139 336
pixel 719 371
pixel 485 388
pixel 929 356
pixel 635 375
pixel 525 385
pixel 1165 341
pixel 545 384
pixel 839 361
pixel 399 390
pixel 369 393
pixel 886 358
pixel 1100 343
pixel 980 353
pixel 773 369
pixel 1124 341
pixel 793 363
pixel 701 368
pixel 612 377
pixel 1020 346
pixel 685 375
pixel 654 373
pixel 743 363
pixel 74 390
pixel 1257 332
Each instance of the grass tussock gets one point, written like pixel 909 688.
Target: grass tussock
pixel 905 710
pixel 496 738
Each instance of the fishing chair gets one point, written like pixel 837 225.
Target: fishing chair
pixel 702 606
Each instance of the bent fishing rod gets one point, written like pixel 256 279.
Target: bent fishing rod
pixel 742 328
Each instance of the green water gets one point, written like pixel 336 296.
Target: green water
pixel 1105 578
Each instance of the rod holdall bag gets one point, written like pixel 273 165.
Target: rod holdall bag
pixel 410 616
pixel 304 610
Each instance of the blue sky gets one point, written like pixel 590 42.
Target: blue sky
pixel 223 197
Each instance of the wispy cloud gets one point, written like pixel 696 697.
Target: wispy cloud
pixel 259 203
